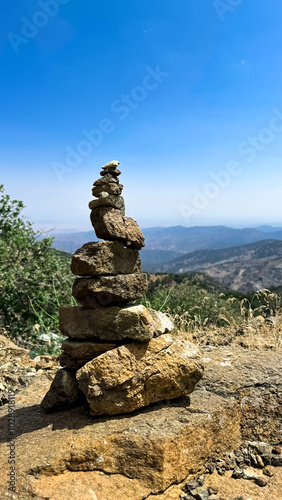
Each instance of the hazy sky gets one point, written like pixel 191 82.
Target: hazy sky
pixel 186 94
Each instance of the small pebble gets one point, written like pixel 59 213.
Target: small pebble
pixel 261 481
pixel 267 471
pixel 213 490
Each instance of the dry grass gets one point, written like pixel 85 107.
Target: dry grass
pixel 260 325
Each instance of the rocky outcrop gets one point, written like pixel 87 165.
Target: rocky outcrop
pixel 159 448
pixel 135 375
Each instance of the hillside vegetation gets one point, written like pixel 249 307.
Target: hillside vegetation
pixel 35 279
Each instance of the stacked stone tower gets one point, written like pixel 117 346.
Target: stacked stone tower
pixel 118 355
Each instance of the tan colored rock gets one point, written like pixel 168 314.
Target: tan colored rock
pixel 63 453
pixel 86 349
pixel 163 323
pixel 107 187
pixel 109 290
pixel 106 323
pixel 94 485
pixel 135 375
pixel 134 236
pixel 109 224
pixel 63 392
pixel 109 200
pixel 105 257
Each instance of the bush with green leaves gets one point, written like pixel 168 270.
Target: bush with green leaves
pixel 35 279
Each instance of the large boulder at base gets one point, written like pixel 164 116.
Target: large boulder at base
pixel 109 224
pixel 105 257
pixel 136 375
pixel 110 290
pixel 63 393
pixel 106 323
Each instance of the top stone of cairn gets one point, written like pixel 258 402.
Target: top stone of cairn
pixel 111 168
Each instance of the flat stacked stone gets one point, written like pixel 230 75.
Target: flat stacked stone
pixel 111 340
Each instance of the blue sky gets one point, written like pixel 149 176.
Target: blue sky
pixel 186 94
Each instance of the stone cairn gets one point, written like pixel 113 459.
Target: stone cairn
pixel 118 356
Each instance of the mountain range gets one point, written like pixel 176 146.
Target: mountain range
pixel 242 259
pixel 243 268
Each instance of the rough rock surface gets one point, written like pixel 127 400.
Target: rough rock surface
pixel 108 177
pixel 17 369
pixel 132 376
pixel 105 257
pixel 109 200
pixel 71 455
pixel 63 392
pixel 255 381
pixel 73 364
pixel 109 224
pixel 86 349
pixel 111 165
pixel 163 323
pixel 107 187
pixel 110 323
pixel 110 290
pixel 110 170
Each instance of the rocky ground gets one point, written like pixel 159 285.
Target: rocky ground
pixel 221 442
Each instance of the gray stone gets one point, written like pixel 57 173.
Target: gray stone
pixel 63 393
pixel 135 375
pixel 67 361
pixel 200 493
pixel 237 473
pixel 261 481
pixel 86 349
pixel 109 200
pixel 109 290
pixel 106 178
pixel 113 171
pixel 276 460
pixel 105 257
pixel 107 187
pixel 163 324
pixel 191 485
pixel 249 475
pixel 106 323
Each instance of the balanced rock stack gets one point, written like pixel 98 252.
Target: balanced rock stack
pixel 118 355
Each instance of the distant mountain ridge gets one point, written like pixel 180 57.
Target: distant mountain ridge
pixel 164 244
pixel 243 268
